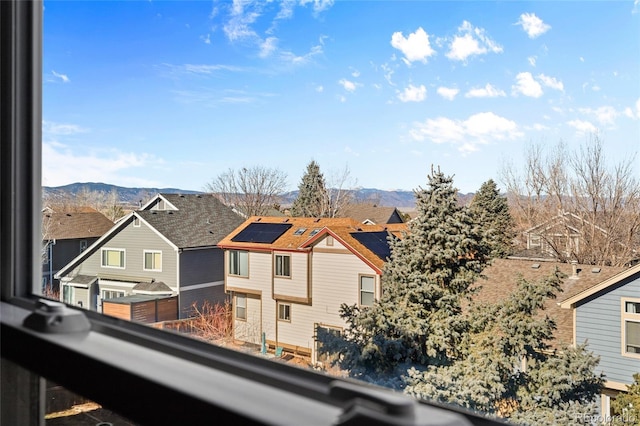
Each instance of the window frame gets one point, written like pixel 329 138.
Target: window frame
pixel 123 257
pixel 287 312
pixel 236 306
pixel 184 369
pixel 144 260
pixel 360 290
pixel 625 318
pixel 235 270
pixel 278 268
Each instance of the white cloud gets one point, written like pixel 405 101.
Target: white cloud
pixel 201 69
pixel 471 41
pixel 268 46
pixel 413 94
pixel 349 86
pixel 539 127
pixel 583 126
pixel 526 86
pixel 51 128
pixel 206 39
pixel 318 5
pixel 551 82
pixel 292 58
pixel 63 77
pixel 467 135
pixel 355 74
pixel 243 15
pixel 415 47
pixel 532 60
pixel 320 89
pixel 62 165
pixel 532 25
pixel 605 115
pixel 629 112
pixel 487 91
pixel 448 93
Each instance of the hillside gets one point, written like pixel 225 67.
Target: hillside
pixel 135 196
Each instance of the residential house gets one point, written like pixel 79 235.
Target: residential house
pixel 560 237
pixel 607 316
pixel 289 276
pixel 64 236
pixel 373 214
pixel 172 240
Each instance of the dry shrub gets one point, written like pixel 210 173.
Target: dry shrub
pixel 212 322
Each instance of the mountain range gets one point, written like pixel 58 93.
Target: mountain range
pixel 136 196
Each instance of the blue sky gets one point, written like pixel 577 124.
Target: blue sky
pixel 171 94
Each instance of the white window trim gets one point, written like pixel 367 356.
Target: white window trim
pixel 624 318
pixel 360 276
pixel 144 260
pixel 235 305
pixel 228 261
pixel 275 265
pixel 281 319
pixel 124 260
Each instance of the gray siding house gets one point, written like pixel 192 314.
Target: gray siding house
pixel 607 316
pixel 171 240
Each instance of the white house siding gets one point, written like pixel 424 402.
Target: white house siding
pixel 335 280
pixel 250 330
pixel 296 286
pixel 260 313
pixel 598 321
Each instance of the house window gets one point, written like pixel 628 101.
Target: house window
pixel 67 294
pixel 136 221
pixel 367 290
pixel 631 327
pixel 239 263
pixel 284 312
pixel 152 260
pixel 113 258
pixel 112 294
pixel 83 245
pixel 283 265
pixel 241 306
pixel 330 240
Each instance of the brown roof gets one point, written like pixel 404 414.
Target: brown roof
pixel 339 228
pixel 372 212
pixel 64 226
pixel 502 275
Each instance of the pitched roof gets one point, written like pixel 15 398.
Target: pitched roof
pixel 65 226
pixel 502 276
pixel 570 301
pixel 305 232
pixel 200 220
pixel 192 221
pixel 371 212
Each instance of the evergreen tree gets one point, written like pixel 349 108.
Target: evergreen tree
pixel 506 368
pixel 418 319
pixel 492 212
pixel 312 194
pixel 626 406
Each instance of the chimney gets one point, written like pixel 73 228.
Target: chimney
pixel 574 268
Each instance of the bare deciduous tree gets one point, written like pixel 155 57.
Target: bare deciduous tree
pixel 251 190
pixel 339 192
pixel 601 203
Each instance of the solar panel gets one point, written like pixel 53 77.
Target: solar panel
pixel 265 233
pixel 374 241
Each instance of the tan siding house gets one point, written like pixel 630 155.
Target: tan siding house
pixel 290 275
